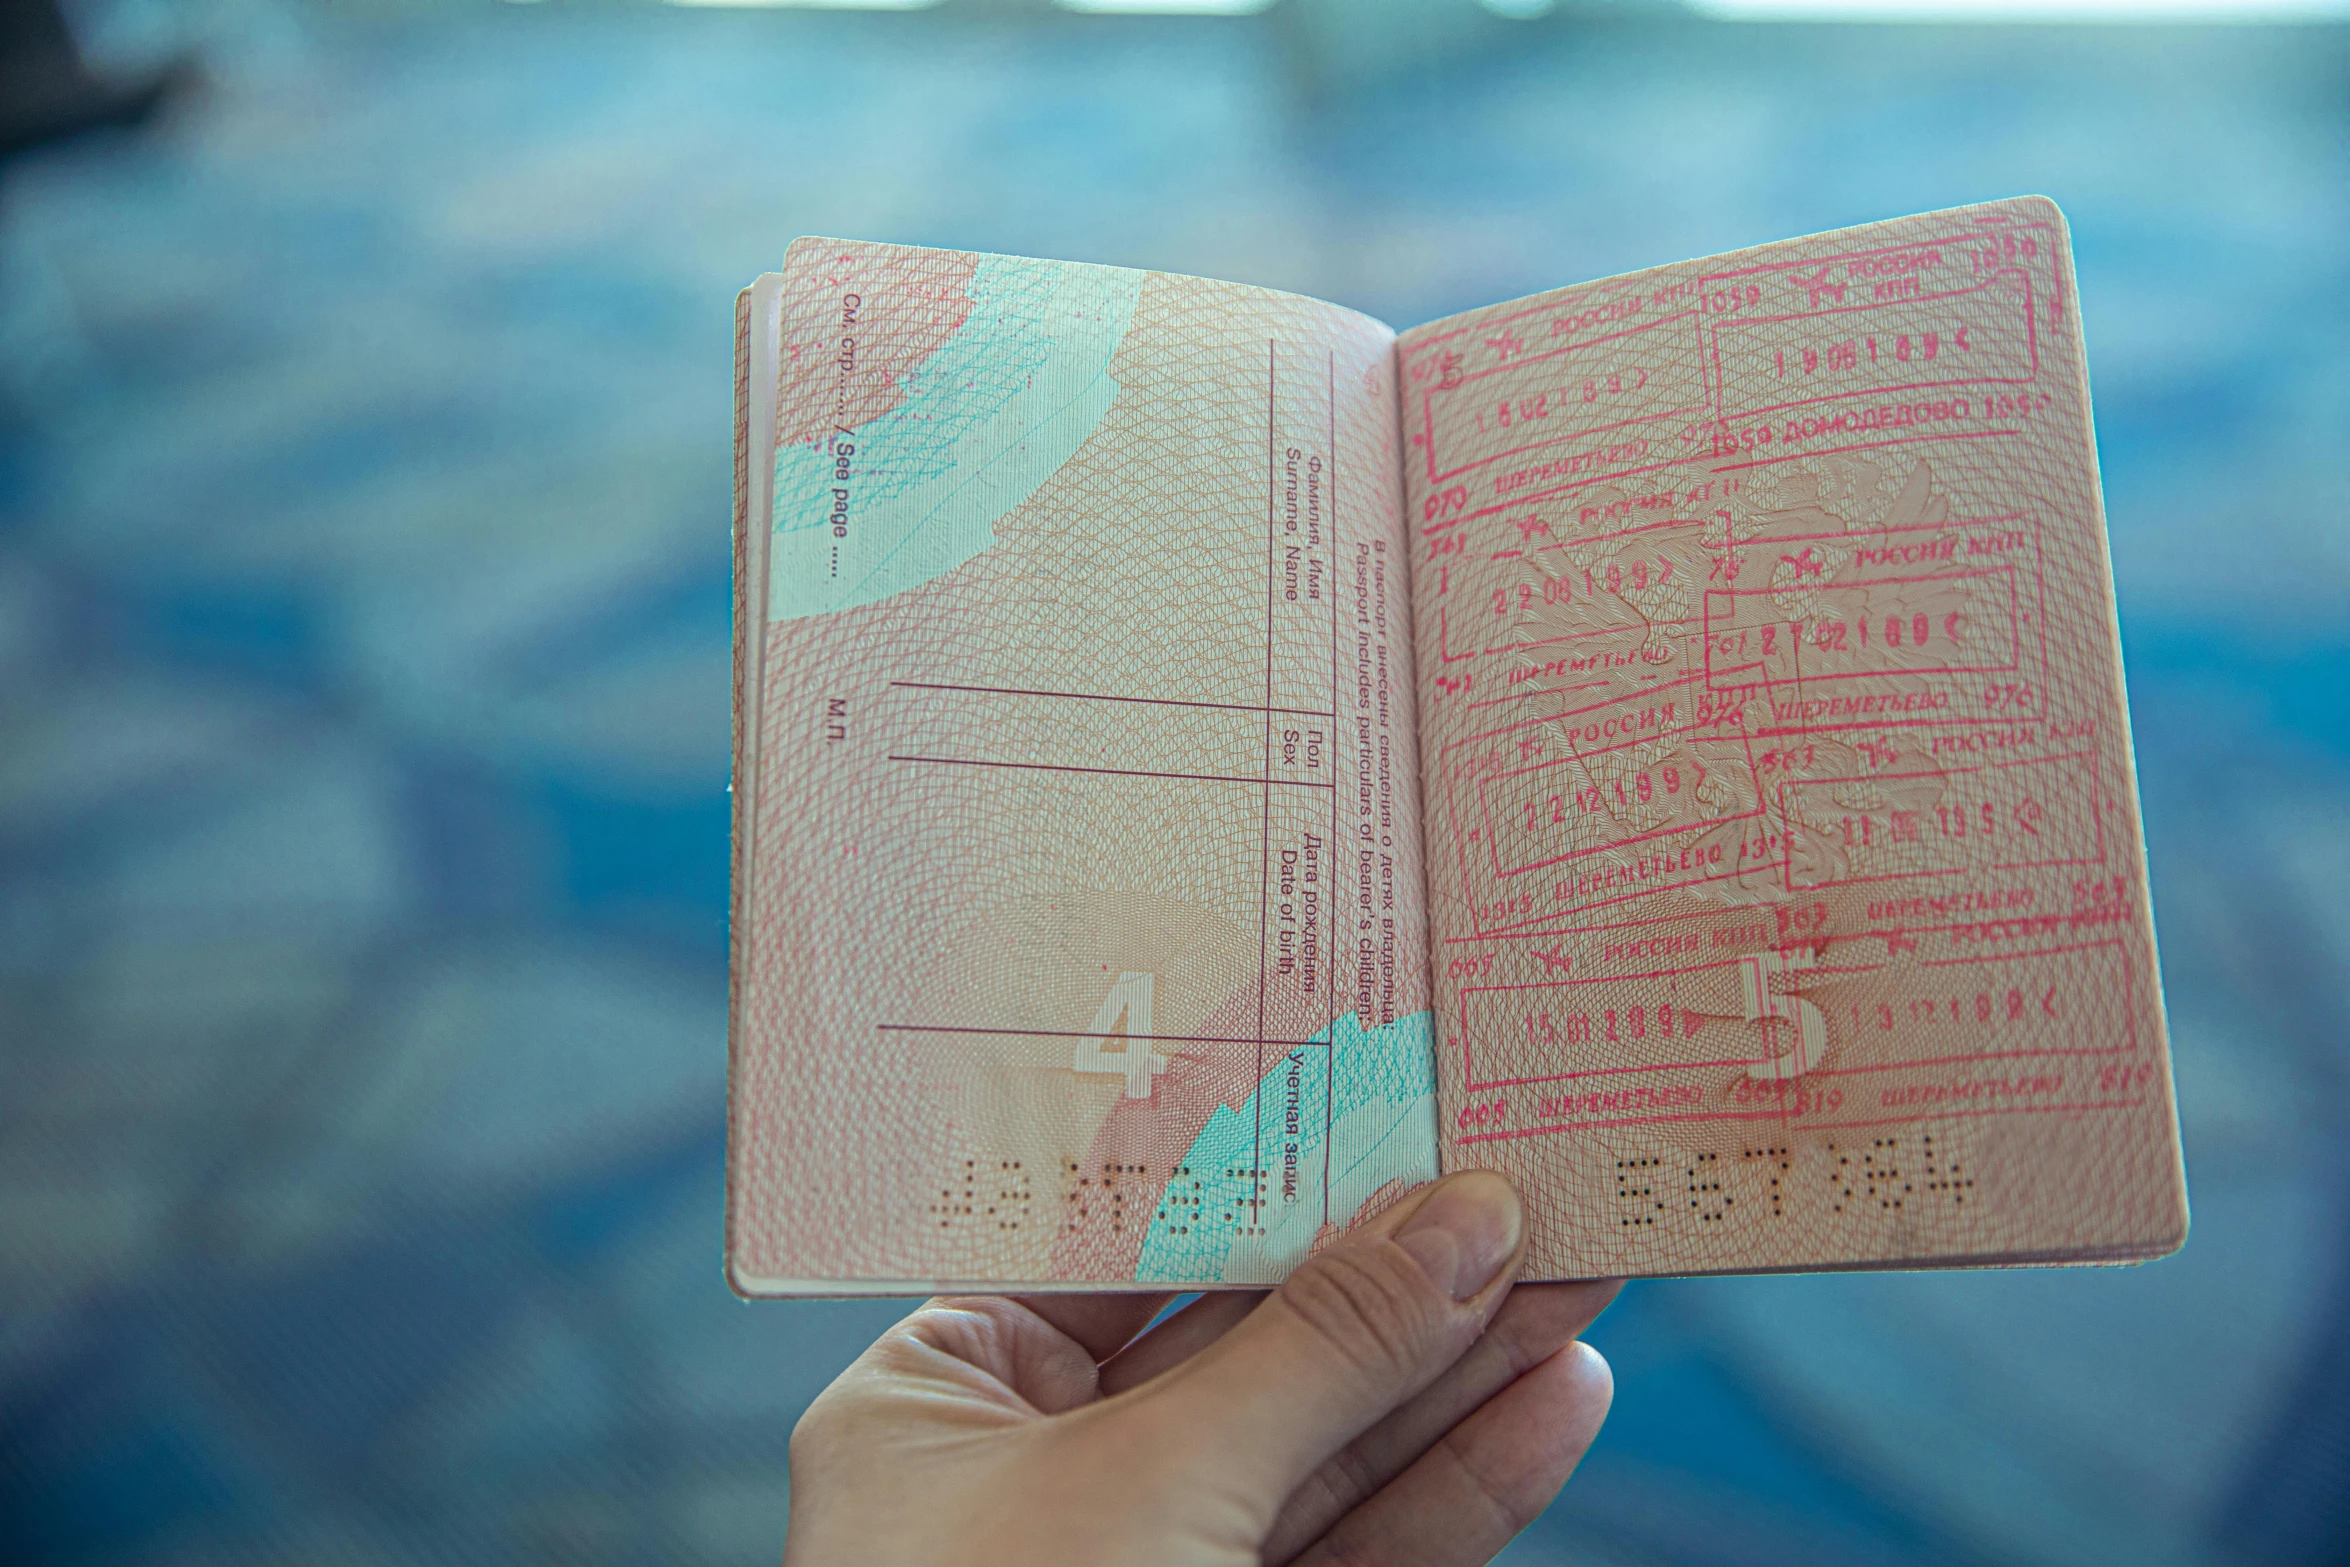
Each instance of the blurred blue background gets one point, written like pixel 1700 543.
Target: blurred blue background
pixel 365 468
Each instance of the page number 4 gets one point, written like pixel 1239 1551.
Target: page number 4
pixel 1125 1014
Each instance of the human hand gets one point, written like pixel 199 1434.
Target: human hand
pixel 1396 1401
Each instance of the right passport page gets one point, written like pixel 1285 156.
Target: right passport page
pixel 1785 867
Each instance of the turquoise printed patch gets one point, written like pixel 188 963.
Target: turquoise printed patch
pixel 1380 1085
pixel 911 495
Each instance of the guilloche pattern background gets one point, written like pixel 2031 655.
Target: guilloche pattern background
pixel 2093 1166
pixel 984 873
pixel 364 479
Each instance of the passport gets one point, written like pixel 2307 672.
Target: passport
pixel 1206 762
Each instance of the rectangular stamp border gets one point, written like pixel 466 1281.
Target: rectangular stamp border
pixel 1698 346
pixel 1798 678
pixel 1681 737
pixel 2126 1047
pixel 2096 823
pixel 2031 334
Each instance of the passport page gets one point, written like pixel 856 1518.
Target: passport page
pixel 1078 932
pixel 1786 873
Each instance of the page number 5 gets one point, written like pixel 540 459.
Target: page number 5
pixel 1811 1027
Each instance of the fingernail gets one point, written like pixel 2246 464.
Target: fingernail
pixel 1464 1232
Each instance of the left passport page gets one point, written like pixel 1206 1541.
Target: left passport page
pixel 1078 936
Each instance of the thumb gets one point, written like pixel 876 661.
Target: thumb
pixel 1354 1332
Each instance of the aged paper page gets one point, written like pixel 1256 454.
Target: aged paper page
pixel 1785 859
pixel 1079 936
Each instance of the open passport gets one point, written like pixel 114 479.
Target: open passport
pixel 1206 762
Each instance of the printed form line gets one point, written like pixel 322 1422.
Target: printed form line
pixel 1089 696
pixel 1256 1158
pixel 1330 854
pixel 1114 772
pixel 1082 1033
